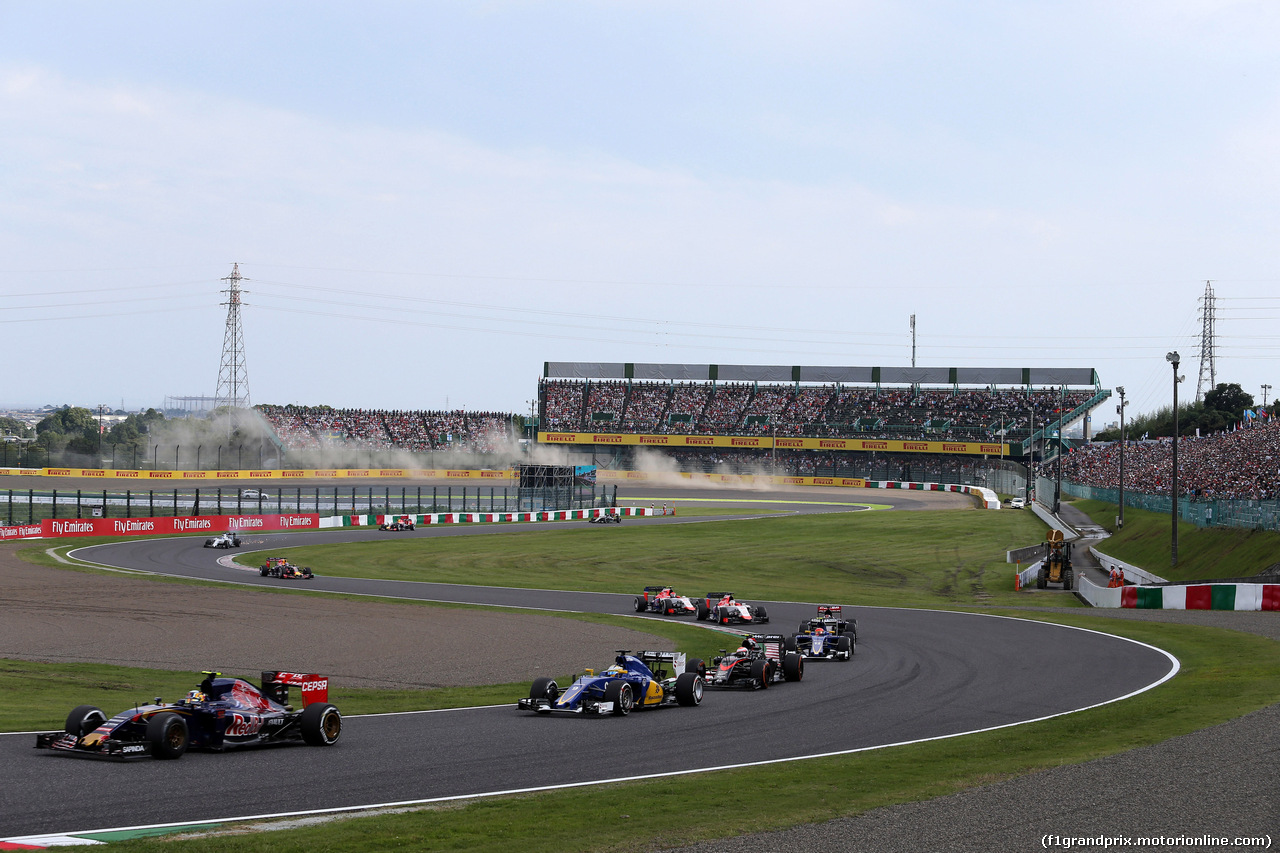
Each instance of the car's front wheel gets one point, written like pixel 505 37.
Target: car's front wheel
pixel 622 697
pixel 167 733
pixel 84 719
pixel 760 673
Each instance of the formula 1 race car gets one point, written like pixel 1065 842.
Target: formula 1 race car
pixel 279 567
pixel 723 608
pixel 222 713
pixel 610 517
pixel 403 522
pixel 826 635
pixel 634 682
pixel 761 660
pixel 223 540
pixel 660 599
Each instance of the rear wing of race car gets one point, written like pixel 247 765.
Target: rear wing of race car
pixel 829 610
pixel 713 597
pixel 649 589
pixel 656 660
pixel 774 644
pixel 315 688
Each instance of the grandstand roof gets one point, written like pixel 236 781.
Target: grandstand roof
pixel 1080 376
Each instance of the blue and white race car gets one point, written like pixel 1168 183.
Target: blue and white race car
pixel 826 636
pixel 634 682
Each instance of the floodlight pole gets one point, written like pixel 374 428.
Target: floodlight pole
pixel 1174 359
pixel 1120 409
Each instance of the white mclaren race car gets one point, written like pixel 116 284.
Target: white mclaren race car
pixel 224 540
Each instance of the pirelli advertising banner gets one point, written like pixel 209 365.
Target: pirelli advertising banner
pixel 211 524
pixel 764 442
pixel 606 476
pixel 215 477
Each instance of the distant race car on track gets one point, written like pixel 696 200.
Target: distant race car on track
pixel 223 540
pixel 403 522
pixel 610 517
pixel 826 635
pixel 279 567
pixel 634 682
pixel 221 714
pixel 660 599
pixel 723 608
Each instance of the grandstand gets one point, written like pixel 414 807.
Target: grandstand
pixel 323 427
pixel 611 404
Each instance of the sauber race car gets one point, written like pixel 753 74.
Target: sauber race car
pixel 610 517
pixel 723 608
pixel 224 540
pixel 761 660
pixel 634 682
pixel 279 567
pixel 403 522
pixel 222 713
pixel 660 599
pixel 826 635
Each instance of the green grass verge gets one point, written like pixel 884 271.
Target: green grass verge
pixel 1203 553
pixel 893 559
pixel 1224 674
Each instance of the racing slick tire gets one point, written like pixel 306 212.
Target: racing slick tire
pixel 235 543
pixel 803 629
pixel 704 612
pixel 84 719
pixel 544 688
pixel 789 643
pixel 845 648
pixel 793 667
pixel 620 694
pixel 760 673
pixel 690 688
pixel 640 604
pixel 208 543
pixel 697 666
pixel 321 724
pixel 168 735
pixel 759 614
pixel 262 570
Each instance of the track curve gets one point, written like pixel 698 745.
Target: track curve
pixel 918 674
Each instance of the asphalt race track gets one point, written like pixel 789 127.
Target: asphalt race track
pixel 917 674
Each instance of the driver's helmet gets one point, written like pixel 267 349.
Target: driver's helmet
pixel 748 643
pixel 195 696
pixel 666 592
pixel 741 651
pixel 818 629
pixel 616 669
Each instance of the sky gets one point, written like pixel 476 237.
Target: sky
pixel 429 200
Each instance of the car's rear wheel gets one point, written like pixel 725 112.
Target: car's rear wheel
pixel 263 571
pixel 703 612
pixel 167 733
pixel 696 665
pixel 321 724
pixel 690 687
pixel 759 614
pixel 760 673
pixel 84 719
pixel 789 643
pixel 793 667
pixel 620 694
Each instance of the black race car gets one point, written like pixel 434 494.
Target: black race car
pixel 222 713
pixel 279 567
pixel 403 522
pixel 611 516
pixel 761 660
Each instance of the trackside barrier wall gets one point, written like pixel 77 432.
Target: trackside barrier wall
pixel 51 528
pixel 1053 521
pixel 1199 596
pixel 1027 576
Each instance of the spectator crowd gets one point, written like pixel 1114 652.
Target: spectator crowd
pixel 1243 464
pixel 318 427
pixel 707 408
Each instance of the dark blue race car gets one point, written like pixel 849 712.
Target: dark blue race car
pixel 634 682
pixel 222 713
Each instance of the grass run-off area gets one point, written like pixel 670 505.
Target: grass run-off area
pixel 1203 554
pixel 944 559
pixel 902 559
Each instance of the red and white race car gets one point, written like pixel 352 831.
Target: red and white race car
pixel 723 608
pixel 661 599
